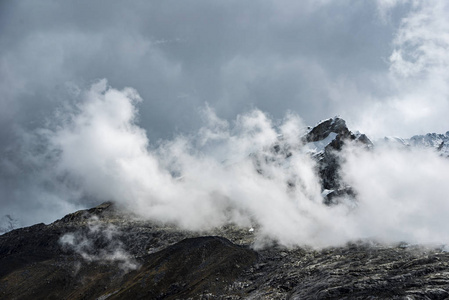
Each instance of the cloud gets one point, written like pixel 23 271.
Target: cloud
pixel 8 223
pixel 66 144
pixel 414 97
pixel 197 181
pixel 229 172
pixel 99 243
pixel 422 41
pixel 318 58
pixel 401 194
pixel 281 50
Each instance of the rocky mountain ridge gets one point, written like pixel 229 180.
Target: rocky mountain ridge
pixel 328 159
pixel 439 142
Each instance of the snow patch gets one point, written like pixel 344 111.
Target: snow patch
pixel 326 192
pixel 316 147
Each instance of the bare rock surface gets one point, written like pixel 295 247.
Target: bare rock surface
pixel 159 261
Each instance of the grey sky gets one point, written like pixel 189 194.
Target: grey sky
pixel 381 65
pixel 276 55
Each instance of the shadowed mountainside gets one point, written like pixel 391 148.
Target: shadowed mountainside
pixel 163 262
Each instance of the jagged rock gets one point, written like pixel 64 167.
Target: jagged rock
pixel 329 164
pixel 324 142
pixel 440 142
pixel 324 128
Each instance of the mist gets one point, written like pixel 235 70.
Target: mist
pixel 181 130
pixel 227 172
pixel 100 243
pixel 401 194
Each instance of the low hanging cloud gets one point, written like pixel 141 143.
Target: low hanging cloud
pixel 99 243
pixel 228 172
pixel 197 181
pixel 401 193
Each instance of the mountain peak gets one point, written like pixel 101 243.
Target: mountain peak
pixel 324 128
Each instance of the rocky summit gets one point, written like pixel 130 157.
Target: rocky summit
pixel 107 252
pixel 331 135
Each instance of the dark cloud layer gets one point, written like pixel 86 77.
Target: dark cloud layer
pixel 233 54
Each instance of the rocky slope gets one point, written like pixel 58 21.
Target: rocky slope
pixel 119 257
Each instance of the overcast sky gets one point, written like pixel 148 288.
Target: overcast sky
pixel 381 65
pixel 363 60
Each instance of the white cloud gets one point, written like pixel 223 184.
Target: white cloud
pixel 422 41
pixel 107 154
pixel 99 243
pixel 229 173
pixel 416 95
pixel 401 193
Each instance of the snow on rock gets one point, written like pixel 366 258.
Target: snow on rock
pixel 326 127
pixel 394 140
pixel 318 146
pixel 326 192
pixel 440 142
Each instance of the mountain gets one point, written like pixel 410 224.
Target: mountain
pixel 103 253
pixel 106 252
pixel 438 142
pixel 326 139
pixel 323 143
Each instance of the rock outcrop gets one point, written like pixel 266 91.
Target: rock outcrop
pixel 439 142
pixel 323 143
pixel 336 134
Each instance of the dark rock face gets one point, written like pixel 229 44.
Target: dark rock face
pixel 23 246
pixel 192 267
pixel 171 263
pixel 332 135
pixel 175 264
pixel 323 129
pixel 329 164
